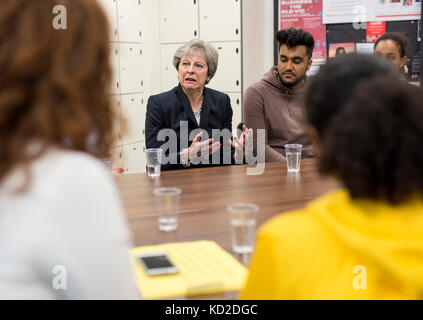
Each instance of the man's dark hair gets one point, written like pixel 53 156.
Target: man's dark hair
pixel 374 145
pixel 292 38
pixel 330 89
pixel 397 37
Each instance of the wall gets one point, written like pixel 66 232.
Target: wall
pixel 257 39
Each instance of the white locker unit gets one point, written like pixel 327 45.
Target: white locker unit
pixel 134 157
pixel 132 68
pixel 228 74
pixel 109 7
pixel 220 20
pixel 116 110
pixel 133 114
pixel 132 19
pixel 178 20
pixel 168 73
pixel 114 57
pixel 236 109
pixel 116 157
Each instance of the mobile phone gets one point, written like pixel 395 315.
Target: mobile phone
pixel 157 263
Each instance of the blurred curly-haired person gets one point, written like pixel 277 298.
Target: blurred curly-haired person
pixel 364 240
pixel 393 47
pixel 63 234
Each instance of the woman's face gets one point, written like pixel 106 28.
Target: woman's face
pixel 192 71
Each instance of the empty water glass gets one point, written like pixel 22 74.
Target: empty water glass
pixel 167 200
pixel 293 157
pixel 243 226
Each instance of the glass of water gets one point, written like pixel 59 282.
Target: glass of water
pixel 167 201
pixel 154 158
pixel 243 226
pixel 293 157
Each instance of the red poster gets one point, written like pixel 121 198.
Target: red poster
pixel 374 30
pixel 307 15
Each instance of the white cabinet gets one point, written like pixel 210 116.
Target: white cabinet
pixel 168 73
pixel 116 110
pixel 116 157
pixel 134 158
pixel 228 74
pixel 133 114
pixel 114 61
pixel 178 20
pixel 236 105
pixel 132 68
pixel 132 19
pixel 110 8
pixel 220 20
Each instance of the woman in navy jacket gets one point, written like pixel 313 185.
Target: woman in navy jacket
pixel 192 123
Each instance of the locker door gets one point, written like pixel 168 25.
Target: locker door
pixel 110 8
pixel 114 62
pixel 236 105
pixel 133 114
pixel 132 18
pixel 116 157
pixel 134 158
pixel 178 20
pixel 116 110
pixel 220 20
pixel 168 73
pixel 132 68
pixel 228 74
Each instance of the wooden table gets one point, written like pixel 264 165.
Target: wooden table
pixel 206 192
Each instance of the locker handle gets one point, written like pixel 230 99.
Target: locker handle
pixel 237 101
pixel 236 31
pixel 237 82
pixel 195 2
pixel 195 32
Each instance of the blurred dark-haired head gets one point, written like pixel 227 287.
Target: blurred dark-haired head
pixel 331 88
pixel 374 145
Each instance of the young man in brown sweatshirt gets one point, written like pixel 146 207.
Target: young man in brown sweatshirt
pixel 274 103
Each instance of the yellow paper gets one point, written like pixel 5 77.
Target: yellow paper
pixel 204 268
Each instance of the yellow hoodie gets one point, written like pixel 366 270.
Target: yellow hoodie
pixel 339 248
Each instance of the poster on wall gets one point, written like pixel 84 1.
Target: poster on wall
pixel 340 49
pixel 307 15
pixel 374 30
pixel 359 12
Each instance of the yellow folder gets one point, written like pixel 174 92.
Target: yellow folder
pixel 204 268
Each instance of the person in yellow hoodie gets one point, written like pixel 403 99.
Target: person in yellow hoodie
pixel 365 240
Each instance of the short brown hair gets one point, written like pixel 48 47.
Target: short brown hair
pixel 54 84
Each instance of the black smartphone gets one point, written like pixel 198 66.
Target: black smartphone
pixel 157 263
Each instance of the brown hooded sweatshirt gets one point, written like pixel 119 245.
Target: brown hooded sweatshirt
pixel 269 105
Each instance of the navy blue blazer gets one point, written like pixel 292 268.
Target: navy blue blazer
pixel 168 110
